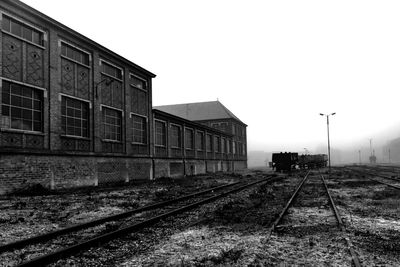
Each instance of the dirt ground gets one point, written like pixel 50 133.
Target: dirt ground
pixel 230 232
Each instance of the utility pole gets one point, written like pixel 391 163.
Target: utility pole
pixel 370 146
pixel 329 146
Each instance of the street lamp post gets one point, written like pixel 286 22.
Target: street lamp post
pixel 329 145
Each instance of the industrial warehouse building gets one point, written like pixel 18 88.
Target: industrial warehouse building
pixel 74 113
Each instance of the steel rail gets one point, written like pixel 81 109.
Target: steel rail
pixel 376 174
pixel 285 209
pixel 337 215
pixel 390 185
pixel 342 227
pixel 372 179
pixel 63 231
pixel 98 240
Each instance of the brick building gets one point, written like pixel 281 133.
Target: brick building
pixel 214 114
pixel 74 113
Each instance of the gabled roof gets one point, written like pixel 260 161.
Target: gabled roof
pixel 200 111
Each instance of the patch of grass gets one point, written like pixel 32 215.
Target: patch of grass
pixel 385 194
pixel 224 257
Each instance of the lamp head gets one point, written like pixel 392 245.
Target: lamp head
pixel 333 113
pixel 321 114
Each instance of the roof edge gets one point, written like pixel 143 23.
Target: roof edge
pixel 192 122
pixel 63 27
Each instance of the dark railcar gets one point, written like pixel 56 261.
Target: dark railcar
pixel 284 161
pixel 313 161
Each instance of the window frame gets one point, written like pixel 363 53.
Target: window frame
pixel 26 24
pixel 179 136
pixel 211 142
pixel 217 144
pixel 188 129
pixel 102 107
pixel 132 92
pixel 203 146
pixel 155 133
pixel 139 78
pixel 102 61
pixel 89 106
pixel 62 41
pixel 145 130
pixel 39 90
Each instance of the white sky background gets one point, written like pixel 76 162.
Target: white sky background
pixel 274 64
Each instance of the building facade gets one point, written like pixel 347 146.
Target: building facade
pixel 190 148
pixel 74 113
pixel 215 115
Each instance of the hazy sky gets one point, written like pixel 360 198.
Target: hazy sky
pixel 274 64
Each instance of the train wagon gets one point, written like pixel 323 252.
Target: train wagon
pixel 313 161
pixel 284 161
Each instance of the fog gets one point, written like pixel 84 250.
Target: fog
pixel 275 64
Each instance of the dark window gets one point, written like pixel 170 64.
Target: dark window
pixel 139 101
pixel 139 129
pixel 209 142
pixel 22 107
pixel 200 140
pixel 217 144
pixel 6 24
pixel 215 125
pixel 111 70
pixel 22 30
pixel 189 140
pixel 175 136
pixel 239 148
pixel 223 144
pixel 138 82
pixel 74 54
pixel 239 131
pixel 74 117
pixel 160 133
pixel 112 122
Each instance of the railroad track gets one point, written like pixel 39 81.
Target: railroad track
pixel 278 225
pixel 95 233
pixel 364 172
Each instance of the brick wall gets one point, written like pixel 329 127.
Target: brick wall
pixel 195 167
pixel 20 171
pixel 56 172
pixel 240 165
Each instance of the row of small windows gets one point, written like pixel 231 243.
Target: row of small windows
pixel 22 30
pixel 223 126
pixel 33 35
pixel 22 109
pixel 160 136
